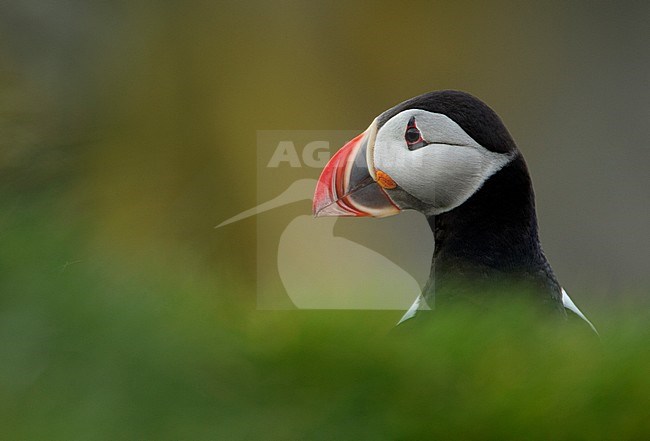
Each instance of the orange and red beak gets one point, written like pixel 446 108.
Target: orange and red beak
pixel 349 185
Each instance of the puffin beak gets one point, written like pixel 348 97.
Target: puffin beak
pixel 350 186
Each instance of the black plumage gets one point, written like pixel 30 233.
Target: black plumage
pixel 488 245
pixel 491 242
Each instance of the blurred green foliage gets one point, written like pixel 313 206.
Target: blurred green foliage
pixel 99 346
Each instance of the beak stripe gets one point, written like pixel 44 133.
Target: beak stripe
pixel 345 204
pixel 346 187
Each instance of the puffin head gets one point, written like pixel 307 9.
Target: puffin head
pixel 430 153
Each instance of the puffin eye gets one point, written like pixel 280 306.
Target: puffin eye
pixel 413 137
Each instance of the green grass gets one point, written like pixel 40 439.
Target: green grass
pixel 96 345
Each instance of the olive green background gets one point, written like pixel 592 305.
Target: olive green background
pixel 151 109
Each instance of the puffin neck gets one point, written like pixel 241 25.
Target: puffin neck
pixel 495 229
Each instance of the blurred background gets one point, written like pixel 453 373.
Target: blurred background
pixel 128 131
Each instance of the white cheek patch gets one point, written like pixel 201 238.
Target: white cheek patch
pixel 445 173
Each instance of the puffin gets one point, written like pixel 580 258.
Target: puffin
pixel 448 155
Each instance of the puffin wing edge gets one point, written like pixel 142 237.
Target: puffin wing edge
pixel 411 311
pixel 568 304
